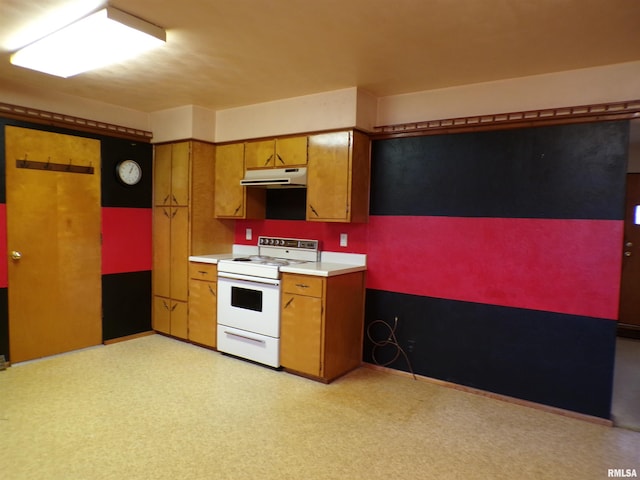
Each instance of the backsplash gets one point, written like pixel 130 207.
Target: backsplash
pixel 327 233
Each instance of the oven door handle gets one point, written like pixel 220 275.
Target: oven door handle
pixel 258 340
pixel 247 278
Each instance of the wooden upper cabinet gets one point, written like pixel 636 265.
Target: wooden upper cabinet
pixel 180 173
pixel 291 151
pixel 171 174
pixel 162 175
pixel 276 153
pixel 229 200
pixel 338 177
pixel 259 154
pixel 232 200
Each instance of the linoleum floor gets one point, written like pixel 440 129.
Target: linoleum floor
pixel 156 408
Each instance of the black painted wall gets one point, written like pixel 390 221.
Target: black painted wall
pixel 534 334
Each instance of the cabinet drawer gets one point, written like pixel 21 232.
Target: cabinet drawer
pixel 203 271
pixel 302 285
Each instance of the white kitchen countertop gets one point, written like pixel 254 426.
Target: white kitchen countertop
pixel 323 269
pixel 330 264
pixel 213 258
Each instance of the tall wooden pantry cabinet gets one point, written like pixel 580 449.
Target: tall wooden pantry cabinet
pixel 183 225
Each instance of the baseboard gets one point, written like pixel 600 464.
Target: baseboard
pixel 628 331
pixel 496 396
pixel 129 337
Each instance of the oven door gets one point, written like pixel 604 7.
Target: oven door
pixel 249 303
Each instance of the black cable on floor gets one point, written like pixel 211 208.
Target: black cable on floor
pixel 390 341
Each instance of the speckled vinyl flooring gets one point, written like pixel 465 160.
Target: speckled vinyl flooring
pixel 156 408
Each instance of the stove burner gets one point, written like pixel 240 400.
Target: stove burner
pixel 243 259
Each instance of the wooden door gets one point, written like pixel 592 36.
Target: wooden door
pixel 329 177
pixel 630 285
pixel 53 221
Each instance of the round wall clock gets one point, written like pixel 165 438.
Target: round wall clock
pixel 129 172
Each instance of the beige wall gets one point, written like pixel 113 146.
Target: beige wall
pixel 606 84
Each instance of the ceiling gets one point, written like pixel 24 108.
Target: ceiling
pixel 227 53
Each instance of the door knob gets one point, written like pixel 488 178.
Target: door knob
pixel 15 255
pixel 627 254
pixel 628 244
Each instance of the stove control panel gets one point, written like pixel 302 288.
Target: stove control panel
pixel 287 243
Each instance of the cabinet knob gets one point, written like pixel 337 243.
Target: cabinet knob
pixel 15 255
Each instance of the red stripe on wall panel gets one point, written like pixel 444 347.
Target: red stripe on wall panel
pixel 564 266
pixel 327 233
pixel 4 272
pixel 126 240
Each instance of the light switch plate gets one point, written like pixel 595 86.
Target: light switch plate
pixel 343 239
pixel 248 234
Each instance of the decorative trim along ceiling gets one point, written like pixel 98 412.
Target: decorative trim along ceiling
pixel 551 116
pixel 68 121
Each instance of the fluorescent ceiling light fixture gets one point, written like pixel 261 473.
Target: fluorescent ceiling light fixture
pixel 105 37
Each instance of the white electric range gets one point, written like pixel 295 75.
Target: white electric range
pixel 249 298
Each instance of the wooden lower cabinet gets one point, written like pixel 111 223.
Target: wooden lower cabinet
pixel 321 324
pixel 170 316
pixel 203 303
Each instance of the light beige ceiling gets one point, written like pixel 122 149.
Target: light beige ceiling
pixel 227 53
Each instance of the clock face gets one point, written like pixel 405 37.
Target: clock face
pixel 129 172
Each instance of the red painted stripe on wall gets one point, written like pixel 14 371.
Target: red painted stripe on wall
pixel 564 266
pixel 327 233
pixel 4 259
pixel 126 240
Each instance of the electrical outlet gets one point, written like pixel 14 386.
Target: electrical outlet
pixel 410 345
pixel 248 234
pixel 343 239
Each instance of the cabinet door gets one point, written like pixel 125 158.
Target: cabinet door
pixel 180 173
pixel 162 175
pixel 202 312
pixel 162 251
pixel 179 253
pixel 329 177
pixel 301 334
pixel 259 154
pixel 179 320
pixel 291 151
pixel 230 197
pixel 161 314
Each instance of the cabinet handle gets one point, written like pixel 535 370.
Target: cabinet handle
pixel 288 303
pixel 280 158
pixel 301 285
pixel 237 209
pixel 203 272
pixel 313 210
pixel 174 199
pixel 174 213
pixel 268 160
pixel 164 202
pixel 166 213
pixel 165 305
pixel 211 290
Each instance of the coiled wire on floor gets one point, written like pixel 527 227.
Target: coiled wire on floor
pixel 390 341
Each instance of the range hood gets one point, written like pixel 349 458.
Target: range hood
pixel 276 177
